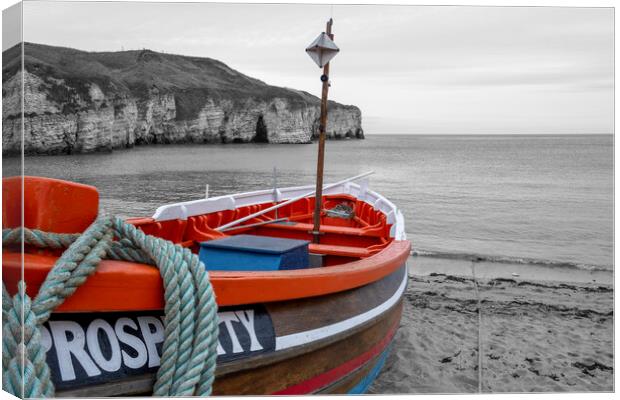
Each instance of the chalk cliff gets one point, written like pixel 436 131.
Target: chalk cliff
pixel 76 102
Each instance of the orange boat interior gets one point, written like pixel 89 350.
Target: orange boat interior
pixel 342 240
pixel 347 245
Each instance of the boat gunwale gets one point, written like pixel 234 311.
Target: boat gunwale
pixel 192 208
pixel 230 287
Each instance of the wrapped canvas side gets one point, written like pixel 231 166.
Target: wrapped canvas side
pixel 12 192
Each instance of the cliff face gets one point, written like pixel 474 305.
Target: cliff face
pixel 76 102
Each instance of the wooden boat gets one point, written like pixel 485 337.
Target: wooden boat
pixel 321 329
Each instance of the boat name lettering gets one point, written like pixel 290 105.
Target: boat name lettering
pixel 98 347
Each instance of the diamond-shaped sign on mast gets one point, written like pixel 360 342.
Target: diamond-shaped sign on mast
pixel 321 51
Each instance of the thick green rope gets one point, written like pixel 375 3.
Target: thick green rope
pixel 190 329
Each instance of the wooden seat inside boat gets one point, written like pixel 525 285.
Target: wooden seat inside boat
pixel 340 230
pixel 344 251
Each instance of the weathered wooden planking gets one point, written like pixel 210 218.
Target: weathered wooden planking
pixel 291 371
pixel 136 385
pixel 267 379
pixel 312 313
pixel 350 323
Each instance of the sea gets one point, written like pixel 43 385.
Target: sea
pixel 537 206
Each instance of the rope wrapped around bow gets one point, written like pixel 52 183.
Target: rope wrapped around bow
pixel 190 325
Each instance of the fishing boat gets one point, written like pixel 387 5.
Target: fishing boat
pixel 324 325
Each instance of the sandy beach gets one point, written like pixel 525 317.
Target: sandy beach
pixel 529 336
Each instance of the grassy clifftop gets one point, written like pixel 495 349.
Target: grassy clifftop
pixel 77 101
pixel 136 72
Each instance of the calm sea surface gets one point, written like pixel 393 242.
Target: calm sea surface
pixel 523 199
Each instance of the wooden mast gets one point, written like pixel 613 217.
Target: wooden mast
pixel 318 206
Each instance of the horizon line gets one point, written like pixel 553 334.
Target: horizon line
pixel 491 134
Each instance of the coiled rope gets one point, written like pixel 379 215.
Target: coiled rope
pixel 190 325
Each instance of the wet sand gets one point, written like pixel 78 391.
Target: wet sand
pixel 529 336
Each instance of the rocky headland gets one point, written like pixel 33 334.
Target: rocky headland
pixel 78 102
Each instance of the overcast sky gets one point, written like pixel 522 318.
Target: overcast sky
pixel 411 69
